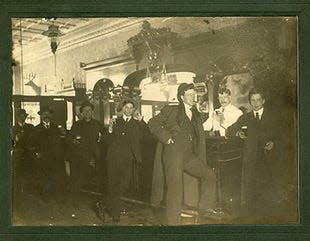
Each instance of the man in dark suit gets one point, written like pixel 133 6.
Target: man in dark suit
pixel 125 134
pixel 179 128
pixel 48 162
pixel 22 158
pixel 83 152
pixel 83 147
pixel 258 128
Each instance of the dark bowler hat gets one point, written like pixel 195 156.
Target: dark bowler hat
pixel 20 112
pixel 128 101
pixel 183 88
pixel 86 103
pixel 45 109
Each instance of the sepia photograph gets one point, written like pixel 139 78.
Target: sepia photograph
pixel 155 121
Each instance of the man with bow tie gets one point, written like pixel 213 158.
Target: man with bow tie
pixel 182 148
pixel 258 128
pixel 46 146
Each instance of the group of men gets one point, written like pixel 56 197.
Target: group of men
pixel 40 153
pixel 37 155
pixel 181 134
pixel 180 131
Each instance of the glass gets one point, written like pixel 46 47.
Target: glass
pixel 244 130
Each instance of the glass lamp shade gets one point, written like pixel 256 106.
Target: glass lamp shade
pixel 166 88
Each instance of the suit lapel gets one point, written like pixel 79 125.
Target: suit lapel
pixel 263 117
pixel 181 116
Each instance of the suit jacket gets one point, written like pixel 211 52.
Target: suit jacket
pixel 258 133
pixel 125 139
pixel 258 164
pixel 91 133
pixel 22 154
pixel 47 143
pixel 168 124
pixel 21 136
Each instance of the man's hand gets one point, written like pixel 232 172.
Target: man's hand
pixel 241 134
pixel 170 141
pixel 138 116
pixel 269 146
pixel 212 133
pixel 220 117
pixel 111 123
pixel 76 142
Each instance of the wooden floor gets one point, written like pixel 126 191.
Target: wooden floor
pixel 31 210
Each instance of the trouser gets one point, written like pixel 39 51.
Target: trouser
pixel 80 172
pixel 119 171
pixel 178 159
pixel 259 194
pixel 46 178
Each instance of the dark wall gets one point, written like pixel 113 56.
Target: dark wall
pixel 264 47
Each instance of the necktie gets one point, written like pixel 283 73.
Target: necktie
pixel 127 119
pixel 257 116
pixel 195 128
pixel 192 110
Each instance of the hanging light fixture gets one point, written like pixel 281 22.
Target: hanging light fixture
pixel 53 33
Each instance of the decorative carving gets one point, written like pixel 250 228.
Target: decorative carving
pixel 101 90
pixel 29 78
pixel 150 43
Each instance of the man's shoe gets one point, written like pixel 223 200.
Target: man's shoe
pixel 212 213
pixel 116 219
pixel 101 211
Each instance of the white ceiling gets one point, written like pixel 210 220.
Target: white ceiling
pixel 78 31
pixel 30 29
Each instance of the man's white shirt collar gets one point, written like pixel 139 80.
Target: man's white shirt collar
pixel 188 107
pixel 46 124
pixel 188 110
pixel 125 117
pixel 225 107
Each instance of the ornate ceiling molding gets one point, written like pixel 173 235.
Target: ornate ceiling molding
pixel 96 29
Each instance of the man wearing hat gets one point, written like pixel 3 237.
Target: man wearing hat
pixel 46 145
pixel 182 148
pixel 83 148
pixel 22 163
